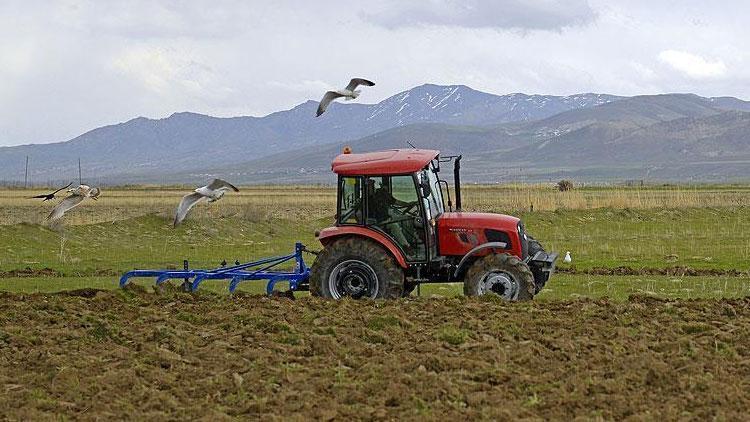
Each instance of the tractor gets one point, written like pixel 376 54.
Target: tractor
pixel 393 232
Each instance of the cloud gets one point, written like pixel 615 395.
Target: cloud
pixel 171 73
pixel 146 19
pixel 692 65
pixel 305 86
pixel 72 65
pixel 499 14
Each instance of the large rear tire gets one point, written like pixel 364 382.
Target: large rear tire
pixel 504 275
pixel 356 267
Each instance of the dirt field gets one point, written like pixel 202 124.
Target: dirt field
pixel 142 356
pixel 138 355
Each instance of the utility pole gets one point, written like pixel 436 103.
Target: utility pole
pixel 80 181
pixel 26 174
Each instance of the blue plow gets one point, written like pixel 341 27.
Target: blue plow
pixel 261 269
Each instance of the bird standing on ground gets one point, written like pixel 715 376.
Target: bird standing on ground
pixel 211 192
pixel 349 93
pixel 567 258
pixel 49 196
pixel 77 196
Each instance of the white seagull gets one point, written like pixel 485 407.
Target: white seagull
pixel 77 195
pixel 212 192
pixel 567 258
pixel 349 93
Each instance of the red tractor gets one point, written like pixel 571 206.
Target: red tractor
pixel 393 232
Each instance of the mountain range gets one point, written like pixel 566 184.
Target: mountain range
pixel 514 137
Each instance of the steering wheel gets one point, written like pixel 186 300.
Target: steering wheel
pixel 407 209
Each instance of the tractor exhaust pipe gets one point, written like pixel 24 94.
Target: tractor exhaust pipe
pixel 457 181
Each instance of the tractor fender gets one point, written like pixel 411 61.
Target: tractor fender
pixel 328 235
pixel 474 251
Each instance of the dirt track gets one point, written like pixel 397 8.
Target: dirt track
pixel 144 356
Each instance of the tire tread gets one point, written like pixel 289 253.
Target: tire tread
pixel 360 248
pixel 504 262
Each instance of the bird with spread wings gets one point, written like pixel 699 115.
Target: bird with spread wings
pixel 75 199
pixel 211 193
pixel 349 93
pixel 50 196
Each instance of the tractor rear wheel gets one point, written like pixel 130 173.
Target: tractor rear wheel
pixel 358 268
pixel 504 275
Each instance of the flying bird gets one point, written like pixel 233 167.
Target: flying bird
pixel 349 93
pixel 567 258
pixel 212 192
pixel 77 195
pixel 49 196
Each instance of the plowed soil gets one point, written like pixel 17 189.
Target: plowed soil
pixel 138 355
pixel 30 272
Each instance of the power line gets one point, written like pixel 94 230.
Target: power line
pixel 26 174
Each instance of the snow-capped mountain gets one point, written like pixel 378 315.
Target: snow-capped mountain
pixel 146 145
pixel 150 149
pixel 460 104
pixel 670 137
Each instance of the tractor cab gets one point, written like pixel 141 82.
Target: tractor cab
pixel 393 231
pixel 394 193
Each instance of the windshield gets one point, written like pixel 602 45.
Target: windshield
pixel 434 201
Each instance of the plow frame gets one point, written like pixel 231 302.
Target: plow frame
pixel 261 269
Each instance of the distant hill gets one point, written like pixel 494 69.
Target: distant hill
pixel 185 141
pixel 502 137
pixel 662 137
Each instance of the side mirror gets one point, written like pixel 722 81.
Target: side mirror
pixel 424 185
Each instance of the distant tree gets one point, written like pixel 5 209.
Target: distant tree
pixel 564 185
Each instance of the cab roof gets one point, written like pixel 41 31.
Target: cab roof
pixel 389 162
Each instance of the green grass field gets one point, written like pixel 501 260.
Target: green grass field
pixel 569 354
pixel 131 228
pixel 563 286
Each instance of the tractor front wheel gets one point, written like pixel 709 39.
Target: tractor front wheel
pixel 503 275
pixel 540 277
pixel 357 268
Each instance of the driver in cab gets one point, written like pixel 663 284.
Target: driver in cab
pixel 383 207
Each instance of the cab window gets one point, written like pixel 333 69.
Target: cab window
pixel 350 200
pixel 393 207
pixel 433 202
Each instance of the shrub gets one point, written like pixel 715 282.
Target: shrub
pixel 564 185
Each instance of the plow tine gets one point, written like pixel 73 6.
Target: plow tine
pixel 124 280
pixel 198 279
pixel 251 274
pixel 233 284
pixel 271 284
pixel 161 279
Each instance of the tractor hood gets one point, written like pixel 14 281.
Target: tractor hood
pixel 459 232
pixel 478 220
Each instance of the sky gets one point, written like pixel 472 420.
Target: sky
pixel 70 66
